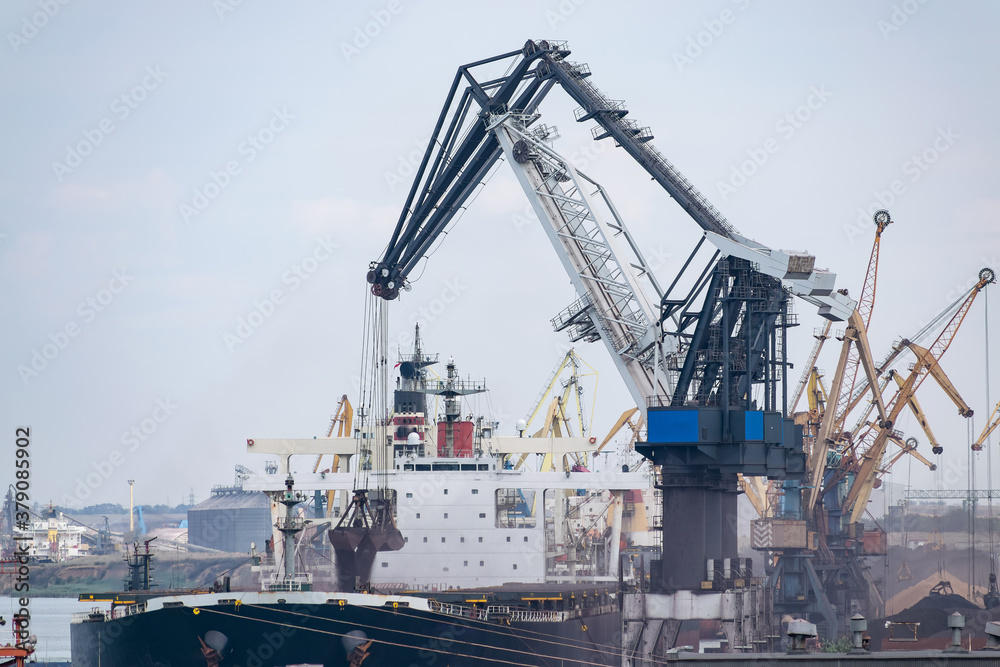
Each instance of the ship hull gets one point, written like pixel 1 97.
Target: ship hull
pixel 332 634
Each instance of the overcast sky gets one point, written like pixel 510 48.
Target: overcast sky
pixel 170 168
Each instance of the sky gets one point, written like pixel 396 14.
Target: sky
pixel 192 193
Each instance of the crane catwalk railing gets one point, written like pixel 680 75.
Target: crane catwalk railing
pixel 581 229
pixel 608 113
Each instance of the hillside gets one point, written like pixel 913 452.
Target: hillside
pixel 92 574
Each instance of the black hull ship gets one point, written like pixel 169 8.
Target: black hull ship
pixel 522 626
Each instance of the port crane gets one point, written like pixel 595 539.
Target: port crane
pixel 495 117
pixel 341 422
pixel 927 364
pixel 703 363
pixel 815 533
pixel 557 416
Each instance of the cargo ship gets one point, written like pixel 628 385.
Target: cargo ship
pixel 497 563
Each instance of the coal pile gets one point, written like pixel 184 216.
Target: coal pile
pixel 932 613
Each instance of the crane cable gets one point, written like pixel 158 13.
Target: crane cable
pixel 373 406
pixel 989 450
pixel 487 627
pixel 971 509
pixel 360 477
pixel 577 644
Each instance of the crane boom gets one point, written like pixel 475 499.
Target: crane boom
pixel 463 149
pixel 866 304
pixel 611 305
pixel 901 346
pixel 918 412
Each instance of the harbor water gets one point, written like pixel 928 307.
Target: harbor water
pixel 50 619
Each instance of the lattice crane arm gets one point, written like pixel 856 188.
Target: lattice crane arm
pixel 755 489
pixel 342 421
pixel 810 367
pixel 817 393
pixel 547 389
pixel 625 419
pixel 991 425
pixel 866 304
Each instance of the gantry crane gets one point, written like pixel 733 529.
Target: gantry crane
pixel 855 337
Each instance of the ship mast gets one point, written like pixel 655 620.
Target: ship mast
pixel 290 525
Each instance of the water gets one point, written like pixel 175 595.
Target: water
pixel 49 622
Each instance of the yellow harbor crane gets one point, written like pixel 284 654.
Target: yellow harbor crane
pixel 342 422
pixel 565 411
pixel 927 364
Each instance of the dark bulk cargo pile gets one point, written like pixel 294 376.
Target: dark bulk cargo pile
pixel 933 632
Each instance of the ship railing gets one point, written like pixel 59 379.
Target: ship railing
pixel 129 610
pixel 527 615
pixel 521 615
pixel 287 585
pixel 459 610
pixel 83 616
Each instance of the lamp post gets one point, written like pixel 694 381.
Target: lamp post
pixel 131 506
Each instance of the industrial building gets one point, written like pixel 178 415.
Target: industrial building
pixel 230 520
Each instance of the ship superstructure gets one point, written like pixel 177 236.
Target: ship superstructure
pixel 52 538
pixel 468 517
